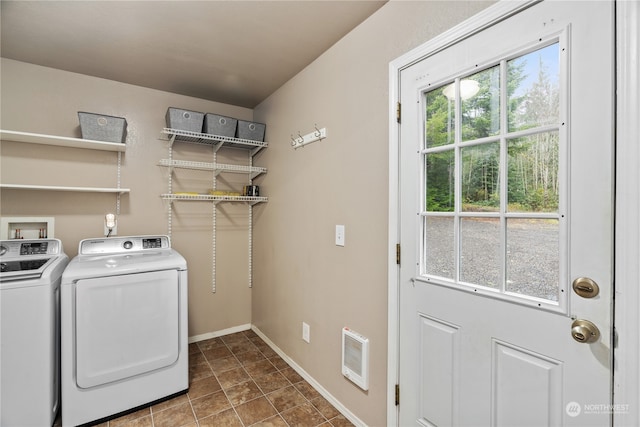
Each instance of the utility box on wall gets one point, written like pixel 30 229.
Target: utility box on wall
pixel 26 228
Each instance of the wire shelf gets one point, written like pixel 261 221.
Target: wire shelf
pixel 210 198
pixel 253 171
pixel 203 138
pixel 215 196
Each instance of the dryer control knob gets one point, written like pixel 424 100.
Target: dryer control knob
pixel 3 249
pixel 128 244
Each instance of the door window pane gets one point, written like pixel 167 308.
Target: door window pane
pixel 440 181
pixel 533 164
pixel 440 118
pixel 480 251
pixel 533 84
pixel 481 178
pixel 492 198
pixel 439 246
pixel 480 104
pixel 533 257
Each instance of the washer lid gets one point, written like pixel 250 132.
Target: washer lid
pixel 23 269
pixel 28 259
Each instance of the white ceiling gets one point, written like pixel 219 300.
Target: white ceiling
pixel 233 51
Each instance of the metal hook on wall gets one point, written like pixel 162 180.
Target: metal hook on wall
pixel 302 140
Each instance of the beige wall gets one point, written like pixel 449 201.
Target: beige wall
pixel 300 275
pixel 44 100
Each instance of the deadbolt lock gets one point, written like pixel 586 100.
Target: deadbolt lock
pixel 584 331
pixel 585 287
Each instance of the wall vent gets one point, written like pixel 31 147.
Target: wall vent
pixel 355 358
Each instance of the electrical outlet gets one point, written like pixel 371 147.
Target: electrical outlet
pixel 306 332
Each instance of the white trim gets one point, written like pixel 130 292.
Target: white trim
pixel 394 238
pixel 482 20
pixel 216 334
pixel 626 386
pixel 315 384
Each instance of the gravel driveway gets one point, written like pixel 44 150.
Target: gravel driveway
pixel 532 253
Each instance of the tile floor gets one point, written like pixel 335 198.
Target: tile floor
pixel 238 380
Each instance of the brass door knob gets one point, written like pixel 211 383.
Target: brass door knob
pixel 584 331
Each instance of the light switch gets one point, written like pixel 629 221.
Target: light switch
pixel 339 235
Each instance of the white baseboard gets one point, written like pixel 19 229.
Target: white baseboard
pixel 315 384
pixel 216 334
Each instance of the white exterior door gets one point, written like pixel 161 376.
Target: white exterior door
pixel 506 206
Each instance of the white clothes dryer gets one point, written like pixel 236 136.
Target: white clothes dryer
pixel 30 272
pixel 124 327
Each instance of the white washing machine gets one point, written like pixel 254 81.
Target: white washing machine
pixel 124 327
pixel 30 272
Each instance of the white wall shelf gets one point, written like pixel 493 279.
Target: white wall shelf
pixel 63 141
pixel 216 199
pixel 60 141
pixel 215 141
pixel 252 171
pixel 65 188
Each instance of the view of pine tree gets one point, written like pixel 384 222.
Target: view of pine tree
pixel 533 161
pixel 532 102
pixel 440 166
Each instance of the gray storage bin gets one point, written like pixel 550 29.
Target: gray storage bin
pixel 215 124
pixel 100 127
pixel 250 130
pixel 179 119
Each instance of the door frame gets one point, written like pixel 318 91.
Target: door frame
pixel 626 375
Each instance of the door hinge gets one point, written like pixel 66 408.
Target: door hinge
pixel 398 253
pixel 398 112
pixel 397 394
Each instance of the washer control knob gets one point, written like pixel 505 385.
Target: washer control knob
pixel 3 249
pixel 128 244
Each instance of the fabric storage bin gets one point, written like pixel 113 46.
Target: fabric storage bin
pixel 250 130
pixel 100 127
pixel 215 124
pixel 179 119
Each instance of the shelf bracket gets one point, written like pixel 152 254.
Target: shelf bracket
pixel 256 150
pixel 171 140
pixel 217 146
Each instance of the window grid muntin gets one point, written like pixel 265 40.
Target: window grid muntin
pixel 503 136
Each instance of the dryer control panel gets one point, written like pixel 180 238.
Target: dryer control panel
pixel 122 244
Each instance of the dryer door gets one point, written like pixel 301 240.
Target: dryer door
pixel 125 326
